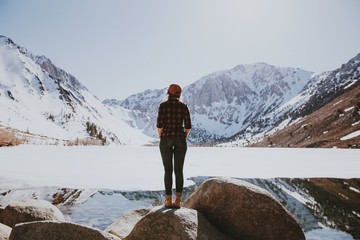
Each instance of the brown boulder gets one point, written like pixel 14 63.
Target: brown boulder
pixel 244 211
pixel 170 224
pixel 29 211
pixel 4 232
pixel 45 230
pixel 124 225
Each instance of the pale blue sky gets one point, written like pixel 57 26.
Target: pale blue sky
pixel 117 47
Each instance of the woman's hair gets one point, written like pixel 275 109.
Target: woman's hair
pixel 172 96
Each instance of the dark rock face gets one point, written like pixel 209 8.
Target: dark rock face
pixel 28 211
pixel 45 230
pixel 181 224
pixel 244 211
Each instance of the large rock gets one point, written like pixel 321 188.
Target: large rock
pixel 168 224
pixel 125 225
pixel 244 211
pixel 4 232
pixel 45 230
pixel 28 211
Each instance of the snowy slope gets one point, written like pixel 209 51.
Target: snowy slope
pixel 320 90
pixel 144 106
pixel 40 98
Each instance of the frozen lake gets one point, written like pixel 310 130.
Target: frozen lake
pixel 140 168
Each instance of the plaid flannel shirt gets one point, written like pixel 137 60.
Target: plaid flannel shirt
pixel 173 117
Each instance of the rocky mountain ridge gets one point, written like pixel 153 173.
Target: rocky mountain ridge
pixel 318 105
pixel 336 124
pixel 246 104
pixel 225 102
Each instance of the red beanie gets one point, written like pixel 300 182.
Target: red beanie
pixel 175 90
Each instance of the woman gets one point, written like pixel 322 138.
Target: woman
pixel 173 124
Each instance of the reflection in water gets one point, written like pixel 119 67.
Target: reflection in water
pixel 101 210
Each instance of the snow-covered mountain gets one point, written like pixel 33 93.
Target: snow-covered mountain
pixel 234 99
pixel 327 87
pixel 39 98
pixel 242 105
pixel 238 107
pixel 320 90
pixel 225 102
pixel 145 105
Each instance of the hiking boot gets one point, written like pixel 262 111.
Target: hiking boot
pixel 177 202
pixel 168 201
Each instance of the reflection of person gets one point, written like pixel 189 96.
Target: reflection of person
pixel 173 124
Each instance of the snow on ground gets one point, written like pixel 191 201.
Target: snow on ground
pixel 351 135
pixel 354 189
pixel 140 168
pixel 326 233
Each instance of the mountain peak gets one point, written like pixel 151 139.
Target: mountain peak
pixel 6 40
pixel 56 72
pixel 40 59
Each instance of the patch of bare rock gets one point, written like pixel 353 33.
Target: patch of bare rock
pixel 221 208
pixel 40 220
pixel 184 223
pixel 244 211
pixel 45 230
pixel 29 211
